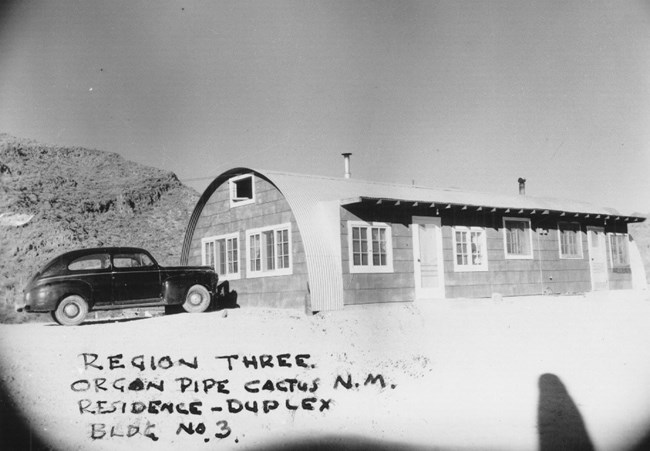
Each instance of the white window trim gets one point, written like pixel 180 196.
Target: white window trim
pixel 610 235
pixel 470 267
pixel 559 242
pixel 204 261
pixel 274 272
pixel 234 202
pixel 370 268
pixel 505 240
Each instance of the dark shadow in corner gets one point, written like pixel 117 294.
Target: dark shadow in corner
pixel 15 433
pixel 341 442
pixel 559 423
pixel 643 444
pixel 225 298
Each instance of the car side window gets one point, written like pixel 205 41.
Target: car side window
pixel 125 261
pixel 89 262
pixel 131 260
pixel 145 260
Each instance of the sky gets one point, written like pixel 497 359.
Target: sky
pixel 471 95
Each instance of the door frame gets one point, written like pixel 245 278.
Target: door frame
pixel 590 236
pixel 427 293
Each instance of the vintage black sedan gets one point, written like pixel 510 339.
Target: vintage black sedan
pixel 77 282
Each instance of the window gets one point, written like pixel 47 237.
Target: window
pixel 90 262
pixel 242 190
pixel 470 249
pixel 371 248
pixel 618 243
pixel 131 260
pixel 268 251
pixel 570 239
pixel 517 238
pixel 222 253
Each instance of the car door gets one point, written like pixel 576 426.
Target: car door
pixel 136 278
pixel 94 270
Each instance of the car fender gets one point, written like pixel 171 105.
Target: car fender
pixel 175 288
pixel 46 297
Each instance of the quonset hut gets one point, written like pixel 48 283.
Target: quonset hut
pixel 303 241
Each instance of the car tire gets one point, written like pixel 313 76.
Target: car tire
pixel 72 310
pixel 197 299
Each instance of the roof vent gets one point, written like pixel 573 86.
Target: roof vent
pixel 346 159
pixel 522 186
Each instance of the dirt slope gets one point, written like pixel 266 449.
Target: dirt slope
pixel 76 198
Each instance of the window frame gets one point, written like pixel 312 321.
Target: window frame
pixel 103 258
pixel 613 264
pixel 510 256
pixel 134 256
pixel 371 267
pixel 262 232
pixel 232 189
pixel 580 251
pixel 470 267
pixel 225 237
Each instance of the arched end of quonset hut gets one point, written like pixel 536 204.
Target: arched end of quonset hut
pixel 266 234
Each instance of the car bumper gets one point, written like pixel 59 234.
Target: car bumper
pixel 23 306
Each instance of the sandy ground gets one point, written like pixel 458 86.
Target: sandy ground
pixel 455 374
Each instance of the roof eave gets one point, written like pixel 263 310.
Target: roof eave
pixel 511 210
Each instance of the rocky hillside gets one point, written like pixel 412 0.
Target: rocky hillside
pixel 54 199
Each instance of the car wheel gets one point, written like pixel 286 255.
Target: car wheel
pixel 53 315
pixel 197 299
pixel 71 311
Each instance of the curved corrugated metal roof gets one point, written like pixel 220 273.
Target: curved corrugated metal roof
pixel 341 189
pixel 315 202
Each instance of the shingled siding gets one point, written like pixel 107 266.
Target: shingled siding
pixel 398 286
pixel 619 281
pixel 545 273
pixel 270 208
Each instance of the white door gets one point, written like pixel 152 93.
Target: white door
pixel 427 255
pixel 597 241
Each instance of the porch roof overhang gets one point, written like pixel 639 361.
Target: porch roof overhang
pixel 531 206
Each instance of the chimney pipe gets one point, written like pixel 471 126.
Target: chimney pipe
pixel 346 159
pixel 522 186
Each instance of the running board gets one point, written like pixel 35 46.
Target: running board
pixel 152 303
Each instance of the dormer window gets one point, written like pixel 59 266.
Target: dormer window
pixel 242 190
